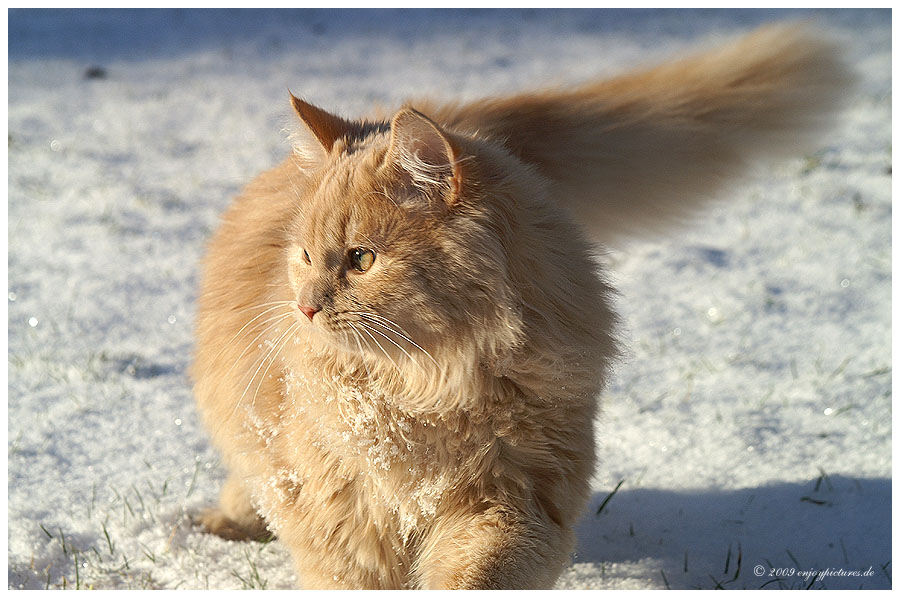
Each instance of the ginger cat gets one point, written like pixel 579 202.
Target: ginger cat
pixel 402 331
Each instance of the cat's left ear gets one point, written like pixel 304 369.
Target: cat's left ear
pixel 427 154
pixel 320 129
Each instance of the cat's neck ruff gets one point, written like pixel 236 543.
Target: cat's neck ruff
pixel 433 388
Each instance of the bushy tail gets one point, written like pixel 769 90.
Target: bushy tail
pixel 647 148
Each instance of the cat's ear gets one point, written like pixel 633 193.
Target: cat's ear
pixel 317 133
pixel 426 153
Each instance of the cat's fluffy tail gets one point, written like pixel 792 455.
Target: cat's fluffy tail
pixel 645 149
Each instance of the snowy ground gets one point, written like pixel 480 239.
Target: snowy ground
pixel 750 422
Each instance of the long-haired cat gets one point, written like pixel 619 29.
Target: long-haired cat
pixel 402 330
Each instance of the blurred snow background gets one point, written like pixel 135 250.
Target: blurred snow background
pixel 750 424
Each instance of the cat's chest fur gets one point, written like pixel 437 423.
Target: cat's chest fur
pixel 395 465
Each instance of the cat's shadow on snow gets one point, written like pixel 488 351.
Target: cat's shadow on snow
pixel 695 538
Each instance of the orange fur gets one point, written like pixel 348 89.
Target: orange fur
pixel 647 149
pixel 427 421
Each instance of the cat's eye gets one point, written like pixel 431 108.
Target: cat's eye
pixel 306 257
pixel 361 259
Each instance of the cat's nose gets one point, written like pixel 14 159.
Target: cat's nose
pixel 308 311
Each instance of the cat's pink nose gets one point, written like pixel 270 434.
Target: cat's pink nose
pixel 309 311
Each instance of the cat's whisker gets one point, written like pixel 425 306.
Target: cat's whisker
pixel 356 333
pixel 395 328
pixel 362 356
pixel 244 327
pixel 370 323
pixel 272 318
pixel 272 322
pixel 363 339
pixel 386 323
pixel 392 341
pixel 386 354
pixel 275 304
pixel 261 362
pixel 287 337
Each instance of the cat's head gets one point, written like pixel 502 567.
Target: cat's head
pixel 398 251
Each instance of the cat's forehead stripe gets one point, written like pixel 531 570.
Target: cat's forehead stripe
pixel 337 211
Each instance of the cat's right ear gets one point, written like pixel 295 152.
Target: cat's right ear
pixel 318 131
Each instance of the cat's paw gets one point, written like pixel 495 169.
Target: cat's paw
pixel 215 521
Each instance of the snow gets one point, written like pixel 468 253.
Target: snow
pixel 750 420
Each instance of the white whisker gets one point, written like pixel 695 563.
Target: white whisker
pixel 366 330
pixel 362 355
pixel 286 337
pixel 276 305
pixel 267 304
pixel 276 320
pixel 262 360
pixel 376 331
pixel 394 328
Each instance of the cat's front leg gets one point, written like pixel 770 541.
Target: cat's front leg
pixel 495 548
pixel 235 518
